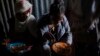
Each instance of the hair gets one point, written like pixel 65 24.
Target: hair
pixel 59 1
pixel 57 7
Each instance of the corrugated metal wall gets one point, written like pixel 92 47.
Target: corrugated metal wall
pixel 6 12
pixel 40 7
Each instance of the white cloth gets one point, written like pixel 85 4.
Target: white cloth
pixel 29 23
pixel 22 6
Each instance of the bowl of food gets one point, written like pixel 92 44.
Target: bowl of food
pixel 16 47
pixel 61 48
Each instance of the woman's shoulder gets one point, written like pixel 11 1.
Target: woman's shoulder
pixel 64 18
pixel 31 17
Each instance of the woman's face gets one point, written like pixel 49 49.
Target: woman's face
pixel 21 16
pixel 57 18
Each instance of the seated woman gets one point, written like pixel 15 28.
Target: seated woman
pixel 22 27
pixel 54 28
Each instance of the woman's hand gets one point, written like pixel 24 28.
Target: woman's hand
pixel 6 42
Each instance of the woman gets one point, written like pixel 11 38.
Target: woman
pixel 53 28
pixel 22 29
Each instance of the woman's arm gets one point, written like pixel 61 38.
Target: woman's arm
pixel 68 34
